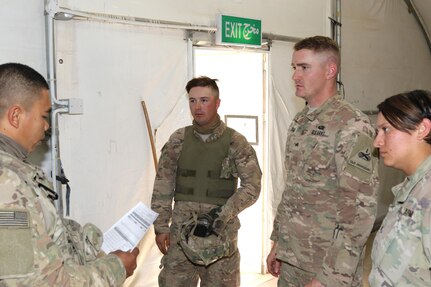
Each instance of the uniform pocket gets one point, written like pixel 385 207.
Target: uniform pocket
pixel 93 239
pixel 396 242
pixel 317 157
pixel 228 168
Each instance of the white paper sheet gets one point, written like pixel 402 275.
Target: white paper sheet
pixel 126 233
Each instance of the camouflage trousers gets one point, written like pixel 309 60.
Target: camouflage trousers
pixel 178 271
pixel 292 276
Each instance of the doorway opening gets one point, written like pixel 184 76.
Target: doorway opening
pixel 242 80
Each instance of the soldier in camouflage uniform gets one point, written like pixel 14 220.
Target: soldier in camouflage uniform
pixel 328 206
pixel 37 246
pixel 198 169
pixel 401 254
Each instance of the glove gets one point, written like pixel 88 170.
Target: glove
pixel 203 225
pixel 209 223
pixel 218 225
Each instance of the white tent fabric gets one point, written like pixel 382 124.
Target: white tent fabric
pixel 23 33
pixel 113 68
pixel 283 105
pixel 106 151
pixel 383 51
pixel 283 17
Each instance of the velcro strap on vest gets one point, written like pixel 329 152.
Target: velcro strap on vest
pixel 220 193
pixel 214 174
pixel 186 172
pixel 184 190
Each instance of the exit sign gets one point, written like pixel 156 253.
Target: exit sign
pixel 238 31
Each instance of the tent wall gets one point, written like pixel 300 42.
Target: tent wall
pixel 22 40
pixel 284 17
pixel 22 33
pixel 106 151
pixel 283 105
pixel 383 53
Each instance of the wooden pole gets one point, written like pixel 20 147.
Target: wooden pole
pixel 150 134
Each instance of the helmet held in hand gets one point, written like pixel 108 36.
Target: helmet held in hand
pixel 203 250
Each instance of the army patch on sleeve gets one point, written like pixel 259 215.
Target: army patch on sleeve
pixel 14 219
pixel 360 161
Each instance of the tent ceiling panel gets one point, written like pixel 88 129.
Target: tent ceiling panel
pixel 284 17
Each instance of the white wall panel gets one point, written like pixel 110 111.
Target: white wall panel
pixel 383 51
pixel 22 30
pixel 297 18
pixel 106 151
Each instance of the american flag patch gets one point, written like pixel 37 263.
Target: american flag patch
pixel 14 218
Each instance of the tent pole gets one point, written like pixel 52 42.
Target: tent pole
pixel 337 35
pixel 58 106
pixel 418 17
pixel 150 134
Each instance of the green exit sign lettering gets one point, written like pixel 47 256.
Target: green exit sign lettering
pixel 238 31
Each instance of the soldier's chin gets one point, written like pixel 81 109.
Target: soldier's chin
pixel 387 162
pixel 35 146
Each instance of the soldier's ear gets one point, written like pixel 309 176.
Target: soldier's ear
pixel 332 69
pixel 424 129
pixel 218 103
pixel 14 114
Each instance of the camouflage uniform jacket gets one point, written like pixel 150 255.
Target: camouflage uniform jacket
pixel 401 254
pixel 241 162
pixel 328 206
pixel 37 247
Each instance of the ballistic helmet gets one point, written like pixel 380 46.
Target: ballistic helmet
pixel 203 250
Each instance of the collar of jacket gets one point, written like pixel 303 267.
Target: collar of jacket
pixel 311 116
pixel 217 132
pixel 403 190
pixel 10 146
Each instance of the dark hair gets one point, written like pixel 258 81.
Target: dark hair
pixel 319 44
pixel 406 111
pixel 203 81
pixel 19 84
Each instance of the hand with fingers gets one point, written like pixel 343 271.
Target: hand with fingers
pixel 163 241
pixel 128 259
pixel 272 263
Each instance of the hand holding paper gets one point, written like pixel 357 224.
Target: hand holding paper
pixel 126 233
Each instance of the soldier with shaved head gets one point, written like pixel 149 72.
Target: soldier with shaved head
pixel 329 204
pixel 38 247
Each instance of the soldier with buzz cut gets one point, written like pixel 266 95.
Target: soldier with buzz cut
pixel 328 206
pixel 38 247
pixel 198 170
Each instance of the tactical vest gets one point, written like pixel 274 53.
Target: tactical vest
pixel 199 168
